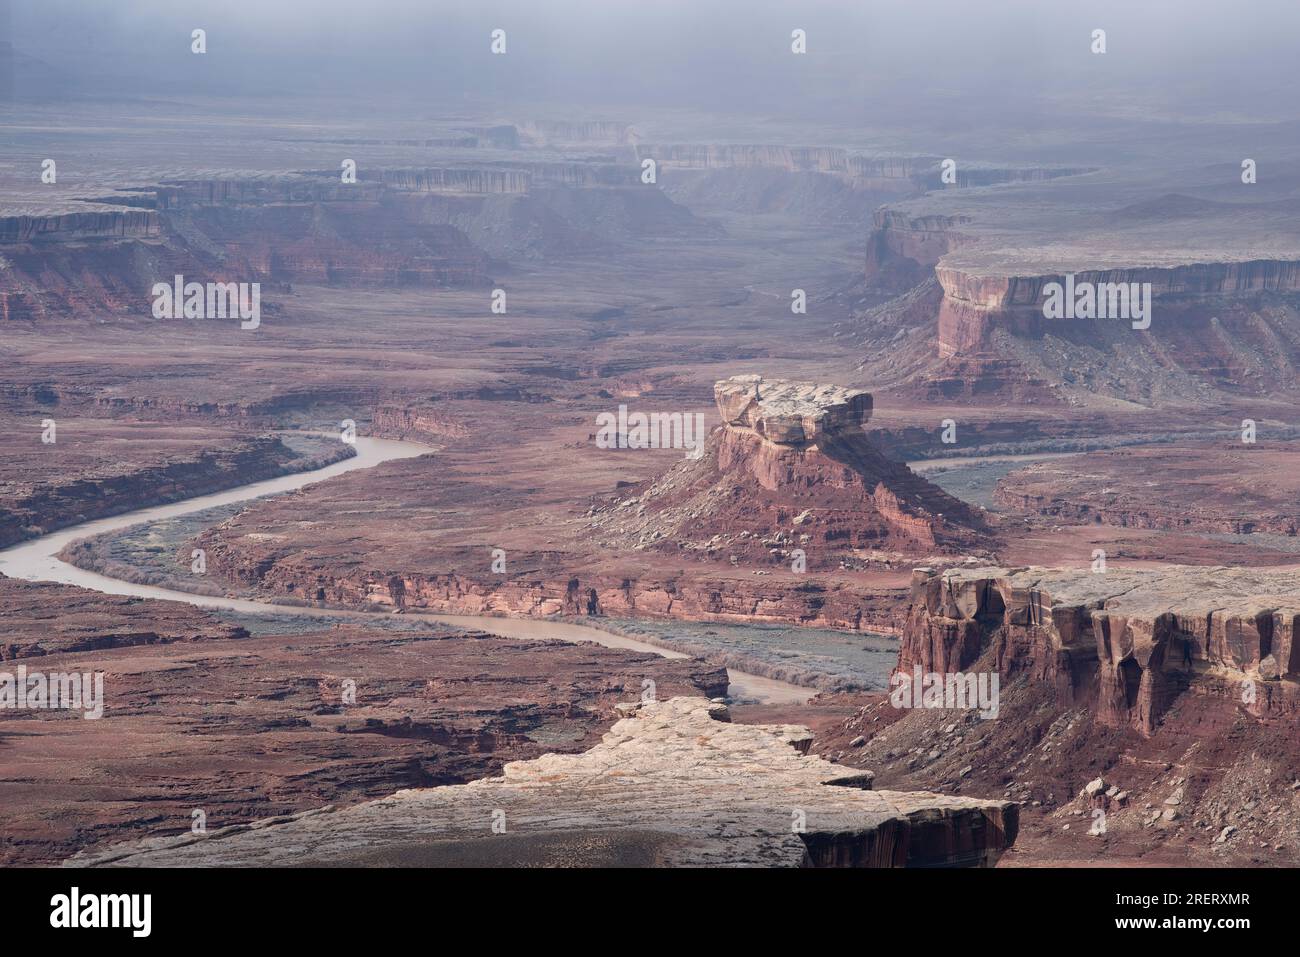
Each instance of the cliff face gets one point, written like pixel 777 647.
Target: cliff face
pixel 1233 326
pixel 1125 644
pixel 1221 276
pixel 1143 716
pixel 74 277
pixel 72 227
pixel 975 304
pixel 263 229
pixel 789 470
pixel 351 243
pixel 575 592
pixel 458 180
pixel 902 250
pixel 392 420
pixel 432 226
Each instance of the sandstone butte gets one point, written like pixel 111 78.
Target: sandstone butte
pixel 791 467
pixel 674 783
pixel 1125 643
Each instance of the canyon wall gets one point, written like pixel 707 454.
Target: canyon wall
pixel 902 250
pixel 974 304
pixel 1125 644
pixel 435 226
pixel 73 227
pixel 697 596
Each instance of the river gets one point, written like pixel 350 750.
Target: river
pixel 37 560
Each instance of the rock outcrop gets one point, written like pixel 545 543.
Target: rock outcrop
pixel 976 303
pixel 791 413
pixel 1222 275
pixel 1124 643
pixel 673 784
pixel 1141 713
pixel 791 470
pixel 288 718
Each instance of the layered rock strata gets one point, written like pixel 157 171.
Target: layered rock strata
pixel 1124 643
pixel 789 470
pixel 1218 280
pixel 434 226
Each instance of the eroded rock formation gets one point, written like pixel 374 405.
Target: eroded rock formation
pixel 1142 713
pixel 430 226
pixel 1124 643
pixel 673 784
pixel 1222 278
pixel 790 469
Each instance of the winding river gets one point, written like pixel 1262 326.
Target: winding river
pixel 37 560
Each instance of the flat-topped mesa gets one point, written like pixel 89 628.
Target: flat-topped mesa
pixel 1091 288
pixel 791 476
pixel 977 304
pixel 790 413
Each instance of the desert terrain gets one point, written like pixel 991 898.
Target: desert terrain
pixel 537 483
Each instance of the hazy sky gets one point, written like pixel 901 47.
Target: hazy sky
pixel 714 54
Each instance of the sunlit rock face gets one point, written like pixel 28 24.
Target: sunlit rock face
pixel 790 413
